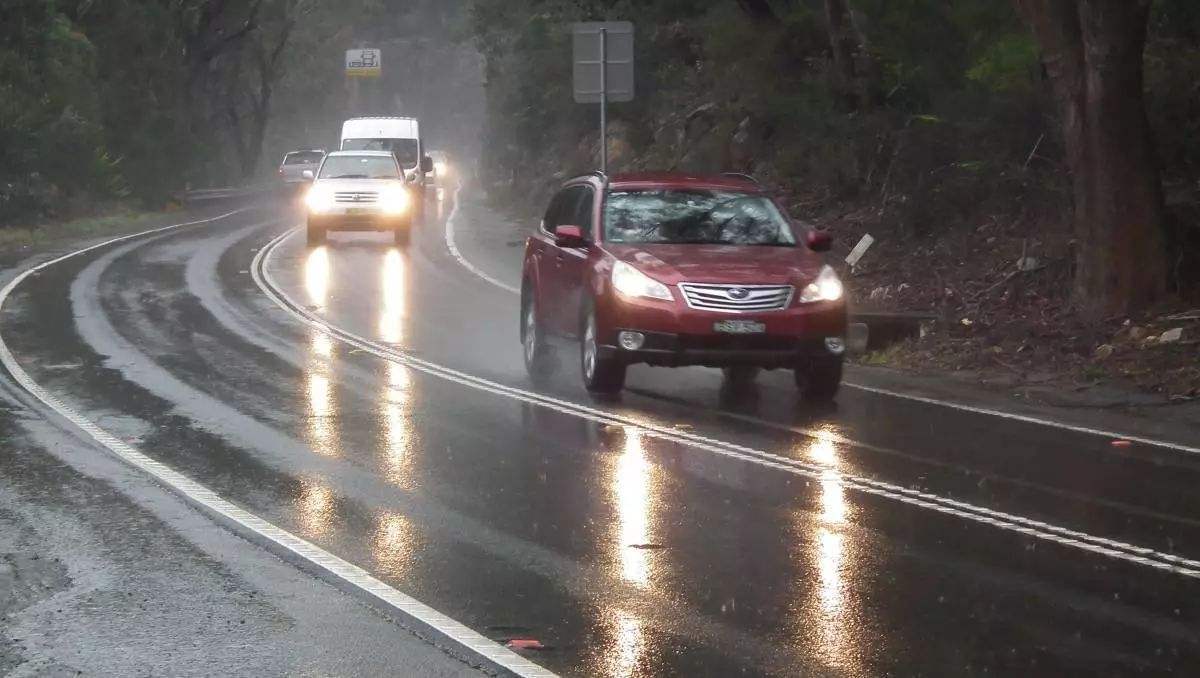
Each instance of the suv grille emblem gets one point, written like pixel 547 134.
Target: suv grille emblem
pixel 738 293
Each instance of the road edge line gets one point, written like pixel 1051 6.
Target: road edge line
pixel 452 246
pixel 303 555
pixel 1028 419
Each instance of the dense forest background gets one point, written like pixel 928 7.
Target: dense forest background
pixel 939 127
pixel 915 118
pixel 134 100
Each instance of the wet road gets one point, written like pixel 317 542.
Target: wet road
pixel 373 401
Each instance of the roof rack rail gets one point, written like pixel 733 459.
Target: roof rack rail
pixel 594 173
pixel 741 175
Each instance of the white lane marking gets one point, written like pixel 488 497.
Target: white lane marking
pixel 1153 442
pixel 453 247
pixel 260 270
pixel 289 546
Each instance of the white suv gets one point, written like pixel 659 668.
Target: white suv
pixel 359 191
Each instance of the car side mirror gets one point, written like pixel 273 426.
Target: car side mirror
pixel 426 164
pixel 569 236
pixel 819 241
pixel 308 174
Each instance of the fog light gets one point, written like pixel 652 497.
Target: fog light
pixel 631 341
pixel 835 345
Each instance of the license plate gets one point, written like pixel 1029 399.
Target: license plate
pixel 740 327
pixel 357 210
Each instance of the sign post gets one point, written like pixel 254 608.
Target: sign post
pixel 603 70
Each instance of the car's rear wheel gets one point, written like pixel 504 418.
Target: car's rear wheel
pixel 819 379
pixel 539 359
pixel 601 374
pixel 316 235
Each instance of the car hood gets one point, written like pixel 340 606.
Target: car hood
pixel 340 185
pixel 737 264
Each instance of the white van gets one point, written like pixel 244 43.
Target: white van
pixel 401 136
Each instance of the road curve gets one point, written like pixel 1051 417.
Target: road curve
pixel 372 402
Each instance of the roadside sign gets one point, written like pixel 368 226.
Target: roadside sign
pixel 617 65
pixel 603 69
pixel 364 62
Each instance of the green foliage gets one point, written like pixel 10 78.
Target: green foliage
pixel 1007 66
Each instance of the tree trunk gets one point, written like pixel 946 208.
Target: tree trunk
pixel 1092 51
pixel 854 73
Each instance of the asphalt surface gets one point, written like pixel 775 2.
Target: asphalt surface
pixel 686 528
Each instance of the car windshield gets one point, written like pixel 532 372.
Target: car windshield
pixel 359 167
pixel 694 217
pixel 405 150
pixel 303 158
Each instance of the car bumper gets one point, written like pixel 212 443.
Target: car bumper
pixel 370 220
pixel 675 336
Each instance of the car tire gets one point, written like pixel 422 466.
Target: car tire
pixel 401 236
pixel 539 358
pixel 741 375
pixel 316 235
pixel 601 375
pixel 818 381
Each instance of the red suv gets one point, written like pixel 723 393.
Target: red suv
pixel 672 270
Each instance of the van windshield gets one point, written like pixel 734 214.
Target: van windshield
pixel 405 150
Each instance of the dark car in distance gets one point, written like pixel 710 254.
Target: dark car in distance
pixel 672 270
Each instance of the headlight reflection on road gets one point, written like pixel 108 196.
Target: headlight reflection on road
pixel 630 646
pixel 395 297
pixel 394 544
pixel 828 620
pixel 316 503
pixel 399 436
pixel 316 276
pixel 322 414
pixel 631 484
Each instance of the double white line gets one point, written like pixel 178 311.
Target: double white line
pixel 1029 527
pixel 347 577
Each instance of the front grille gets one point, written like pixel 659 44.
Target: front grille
pixel 736 298
pixel 359 197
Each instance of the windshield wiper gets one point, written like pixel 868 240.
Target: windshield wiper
pixel 348 176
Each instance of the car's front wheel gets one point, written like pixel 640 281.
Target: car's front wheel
pixel 315 234
pixel 819 379
pixel 401 236
pixel 601 374
pixel 539 360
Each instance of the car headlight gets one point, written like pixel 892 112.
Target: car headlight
pixel 393 200
pixel 633 283
pixel 319 199
pixel 439 168
pixel 826 287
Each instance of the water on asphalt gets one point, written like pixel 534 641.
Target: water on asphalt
pixel 620 539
